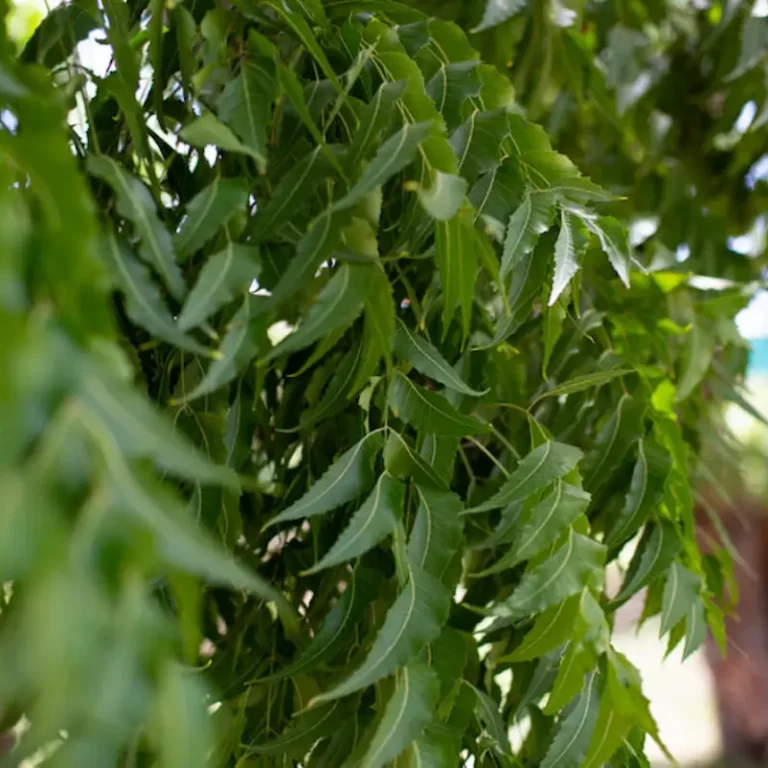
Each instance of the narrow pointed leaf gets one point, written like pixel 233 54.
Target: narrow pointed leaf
pixel 225 275
pixel 566 261
pixel 337 626
pixel 436 747
pixel 294 189
pixel 547 520
pixel 574 732
pixel 695 628
pixel 451 86
pixel 242 342
pixel 348 477
pixel 578 563
pixel 394 154
pixel 488 712
pixel 429 411
pixel 402 460
pixel 144 303
pixel 207 212
pixel 699 352
pixel 407 713
pixel 377 116
pixel 375 520
pixel 456 259
pixel 437 531
pixel 551 629
pixel 338 304
pixel 613 240
pixel 135 203
pixel 301 735
pixel 414 620
pixel 549 462
pixel 587 381
pixel 534 217
pixel 645 492
pixel 208 129
pixel 655 552
pixel 425 358
pixel 245 105
pixel 681 590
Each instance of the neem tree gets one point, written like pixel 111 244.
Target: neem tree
pixel 298 290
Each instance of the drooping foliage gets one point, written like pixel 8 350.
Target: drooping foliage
pixel 333 388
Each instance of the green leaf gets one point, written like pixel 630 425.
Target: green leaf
pixel 302 734
pixel 401 460
pixel 451 86
pixel 488 712
pixel 550 630
pixel 457 261
pixel 437 531
pixel 141 430
pixel 377 116
pixel 225 275
pixel 577 662
pixel 245 105
pixel 613 442
pixel 295 187
pixel 337 393
pixel 613 240
pixel 183 722
pixel 699 352
pixel 444 197
pixel 378 329
pixel 428 411
pixel 553 329
pixel 587 381
pixel 414 620
pixel 477 142
pixel 498 11
pixel 135 203
pixel 338 304
pixel 208 129
pixel 655 552
pixel 242 342
pixel 546 521
pixel 549 462
pixel 695 628
pixel 394 154
pixel 645 492
pixel 376 519
pixel 427 360
pixel 407 713
pixel 436 747
pixel 144 304
pixel 566 261
pixel 207 212
pixel 338 625
pixel 681 590
pixel 576 564
pixel 574 731
pixel 534 217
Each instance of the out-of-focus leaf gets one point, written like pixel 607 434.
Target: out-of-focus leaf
pixel 587 381
pixel 428 411
pixel 498 11
pixel 681 590
pixel 698 357
pixel 302 734
pixel 444 197
pixel 208 129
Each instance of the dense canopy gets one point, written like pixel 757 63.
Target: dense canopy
pixel 352 349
